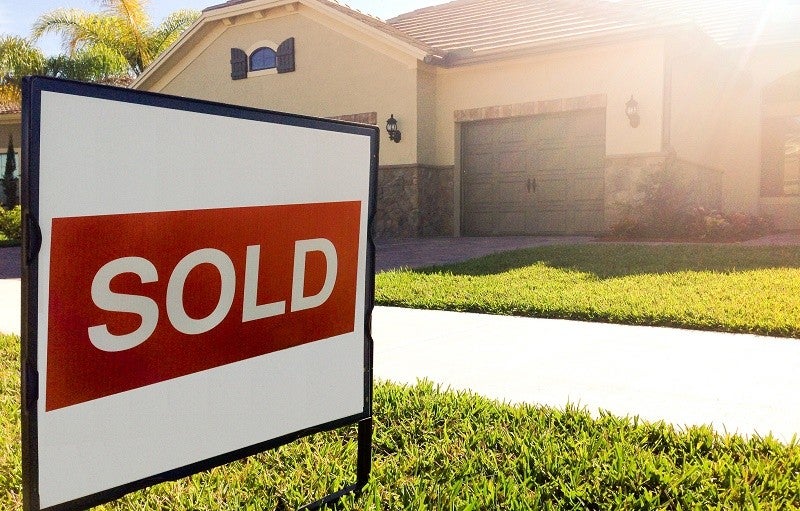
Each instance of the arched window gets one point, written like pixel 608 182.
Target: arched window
pixel 262 58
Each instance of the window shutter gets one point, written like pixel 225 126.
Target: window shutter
pixel 238 64
pixel 286 56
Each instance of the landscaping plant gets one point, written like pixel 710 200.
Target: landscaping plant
pixel 10 225
pixel 666 207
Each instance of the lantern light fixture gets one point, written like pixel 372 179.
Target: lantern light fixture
pixel 632 111
pixel 391 128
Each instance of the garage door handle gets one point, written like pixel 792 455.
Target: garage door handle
pixel 531 185
pixel 528 186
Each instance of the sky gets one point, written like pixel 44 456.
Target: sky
pixel 17 16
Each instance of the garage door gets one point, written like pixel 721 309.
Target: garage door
pixel 534 175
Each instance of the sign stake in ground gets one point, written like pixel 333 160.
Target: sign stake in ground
pixel 197 287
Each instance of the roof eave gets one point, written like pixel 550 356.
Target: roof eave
pixel 150 71
pixel 466 57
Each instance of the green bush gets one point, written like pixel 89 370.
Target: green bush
pixel 11 224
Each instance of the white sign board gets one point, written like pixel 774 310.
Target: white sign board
pixel 202 290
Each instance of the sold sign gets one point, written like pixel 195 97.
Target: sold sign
pixel 162 295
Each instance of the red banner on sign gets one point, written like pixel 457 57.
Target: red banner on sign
pixel 142 298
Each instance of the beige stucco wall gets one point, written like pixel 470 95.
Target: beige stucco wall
pixel 714 119
pixel 615 70
pixel 427 97
pixel 338 72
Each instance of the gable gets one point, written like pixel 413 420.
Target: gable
pixel 215 21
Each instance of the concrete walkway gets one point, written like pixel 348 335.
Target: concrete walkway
pixel 737 383
pixel 10 295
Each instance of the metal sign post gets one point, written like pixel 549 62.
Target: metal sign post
pixel 197 288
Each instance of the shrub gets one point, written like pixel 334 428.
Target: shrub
pixel 11 223
pixel 665 208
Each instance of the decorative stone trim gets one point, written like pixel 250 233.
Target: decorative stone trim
pixel 363 118
pixel 531 108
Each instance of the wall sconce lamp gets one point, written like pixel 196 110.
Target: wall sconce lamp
pixel 391 128
pixel 632 111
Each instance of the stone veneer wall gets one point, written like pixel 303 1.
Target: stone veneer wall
pixel 414 201
pixel 624 174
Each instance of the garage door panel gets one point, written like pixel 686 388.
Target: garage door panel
pixel 511 223
pixel 550 192
pixel 475 223
pixel 480 197
pixel 479 134
pixel 513 132
pixel 585 157
pixel 480 165
pixel 510 162
pixel 547 128
pixel 560 156
pixel 551 160
pixel 589 125
pixel 512 196
pixel 551 221
pixel 586 221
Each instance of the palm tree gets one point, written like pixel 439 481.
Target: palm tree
pixel 18 57
pixel 122 28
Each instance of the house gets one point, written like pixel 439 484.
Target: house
pixel 524 116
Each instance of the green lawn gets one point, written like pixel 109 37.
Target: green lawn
pixel 716 287
pixel 437 450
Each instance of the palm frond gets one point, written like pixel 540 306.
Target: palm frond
pixel 19 57
pixel 133 14
pixel 132 11
pixel 168 31
pixel 93 64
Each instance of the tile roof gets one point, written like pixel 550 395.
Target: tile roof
pixel 492 25
pixel 10 108
pixel 467 29
pixel 732 23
